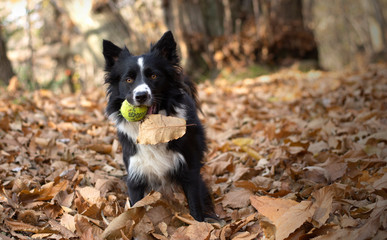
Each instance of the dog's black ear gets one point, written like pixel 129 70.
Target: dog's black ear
pixel 166 47
pixel 111 53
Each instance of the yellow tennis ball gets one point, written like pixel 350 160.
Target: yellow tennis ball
pixel 133 113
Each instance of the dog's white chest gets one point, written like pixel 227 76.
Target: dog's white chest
pixel 154 162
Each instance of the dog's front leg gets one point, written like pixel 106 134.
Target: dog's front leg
pixel 136 190
pixel 191 187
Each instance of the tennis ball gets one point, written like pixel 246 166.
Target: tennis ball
pixel 133 113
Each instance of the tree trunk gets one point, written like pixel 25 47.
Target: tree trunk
pixel 6 71
pixel 289 39
pixel 196 24
pixel 234 34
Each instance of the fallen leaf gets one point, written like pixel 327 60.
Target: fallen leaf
pixel 100 148
pixel 323 205
pixel 317 147
pixel 68 222
pixel 233 228
pixel 67 233
pixel 21 226
pixel 237 198
pixel 149 199
pixel 157 128
pixel 292 219
pixel 381 183
pixel 221 164
pixel 271 208
pixel 90 194
pixel 197 231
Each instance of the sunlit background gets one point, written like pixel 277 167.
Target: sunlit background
pixel 57 44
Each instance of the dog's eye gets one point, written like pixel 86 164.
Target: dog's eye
pixel 129 80
pixel 153 76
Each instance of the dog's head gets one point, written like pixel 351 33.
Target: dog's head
pixel 144 79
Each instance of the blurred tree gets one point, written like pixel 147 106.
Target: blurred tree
pixel 349 32
pixel 59 19
pixel 32 82
pixel 287 36
pixel 225 33
pixel 6 71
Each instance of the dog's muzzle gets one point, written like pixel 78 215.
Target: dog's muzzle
pixel 142 95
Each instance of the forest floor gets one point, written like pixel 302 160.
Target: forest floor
pixel 291 155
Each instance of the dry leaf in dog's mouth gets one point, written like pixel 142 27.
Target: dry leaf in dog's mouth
pixel 157 128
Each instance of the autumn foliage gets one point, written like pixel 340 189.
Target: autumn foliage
pixel 291 156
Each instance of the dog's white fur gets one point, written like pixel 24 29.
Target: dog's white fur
pixel 152 161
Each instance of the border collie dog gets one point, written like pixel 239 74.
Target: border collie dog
pixel 155 80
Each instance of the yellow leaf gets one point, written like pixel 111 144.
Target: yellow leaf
pixel 251 152
pixel 242 141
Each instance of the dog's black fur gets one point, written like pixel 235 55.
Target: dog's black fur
pixel 155 79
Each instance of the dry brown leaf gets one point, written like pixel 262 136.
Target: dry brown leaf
pixel 347 221
pixel 28 216
pixel 220 164
pixel 87 235
pixel 197 231
pixel 84 224
pixel 325 136
pixel 292 219
pixel 160 213
pixel 317 147
pixel 100 148
pixel 249 185
pixel 232 228
pixel 163 228
pixel 46 192
pixel 124 222
pixel 68 222
pixel 244 236
pixel 366 231
pixel 149 199
pixel 65 232
pixel 144 229
pixel 41 235
pixel 335 168
pixel 272 208
pixel 188 219
pixel 52 210
pixel 157 128
pixel 90 194
pixel 64 198
pixel 237 198
pixel 323 205
pixel 21 226
pixel 159 236
pixel 93 211
pixel 381 183
pixel 239 172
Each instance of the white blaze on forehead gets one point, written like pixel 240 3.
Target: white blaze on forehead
pixel 140 62
pixel 142 87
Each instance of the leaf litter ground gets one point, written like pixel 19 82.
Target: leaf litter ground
pixel 291 156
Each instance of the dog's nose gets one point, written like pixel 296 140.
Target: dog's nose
pixel 141 97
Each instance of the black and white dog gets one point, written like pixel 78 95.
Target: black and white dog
pixel 155 79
